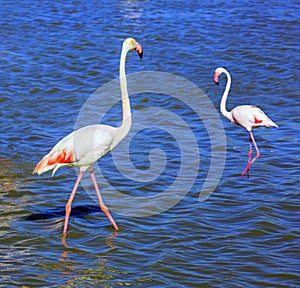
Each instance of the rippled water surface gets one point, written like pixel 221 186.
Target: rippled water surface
pixel 55 55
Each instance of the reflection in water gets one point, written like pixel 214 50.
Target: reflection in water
pixel 76 276
pixel 108 242
pixel 7 182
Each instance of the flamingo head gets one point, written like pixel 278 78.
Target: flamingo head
pixel 217 74
pixel 132 44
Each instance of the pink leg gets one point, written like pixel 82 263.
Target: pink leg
pixel 250 154
pixel 69 203
pixel 102 205
pixel 257 151
pixel 249 160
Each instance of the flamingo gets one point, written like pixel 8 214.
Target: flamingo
pixel 246 116
pixel 83 147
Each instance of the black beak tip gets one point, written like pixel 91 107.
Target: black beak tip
pixel 141 54
pixel 217 83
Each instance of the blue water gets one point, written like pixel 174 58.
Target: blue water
pixel 55 56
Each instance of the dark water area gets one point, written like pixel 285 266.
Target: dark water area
pixel 55 56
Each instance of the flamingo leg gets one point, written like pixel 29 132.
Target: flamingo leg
pixel 256 148
pixel 247 169
pixel 250 162
pixel 102 205
pixel 69 203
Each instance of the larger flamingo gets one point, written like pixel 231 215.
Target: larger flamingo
pixel 246 116
pixel 83 147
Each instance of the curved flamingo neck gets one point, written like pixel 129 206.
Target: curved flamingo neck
pixel 126 122
pixel 223 109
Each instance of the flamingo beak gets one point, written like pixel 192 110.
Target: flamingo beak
pixel 139 49
pixel 216 79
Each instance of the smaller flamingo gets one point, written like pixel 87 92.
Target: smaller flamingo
pixel 246 116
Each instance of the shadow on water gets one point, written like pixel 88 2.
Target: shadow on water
pixel 77 211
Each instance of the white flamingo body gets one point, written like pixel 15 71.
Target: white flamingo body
pixel 250 117
pixel 83 147
pixel 246 116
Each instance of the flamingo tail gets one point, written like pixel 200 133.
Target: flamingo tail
pixel 53 161
pixel 269 123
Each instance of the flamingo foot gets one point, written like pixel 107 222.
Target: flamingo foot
pixel 247 169
pixel 63 240
pixel 112 221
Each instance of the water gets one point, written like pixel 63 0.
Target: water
pixel 54 56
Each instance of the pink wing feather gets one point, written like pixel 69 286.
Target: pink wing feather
pixel 54 158
pixel 81 148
